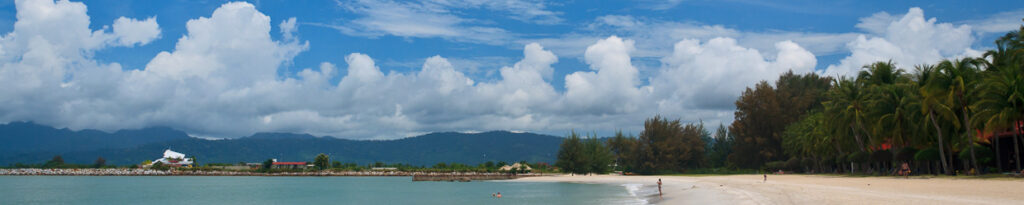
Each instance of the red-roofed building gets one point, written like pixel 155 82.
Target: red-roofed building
pixel 1005 142
pixel 289 165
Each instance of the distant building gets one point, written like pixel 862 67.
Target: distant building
pixel 288 165
pixel 384 169
pixel 516 166
pixel 174 159
pixel 254 165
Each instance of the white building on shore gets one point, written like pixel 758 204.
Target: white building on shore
pixel 174 159
pixel 516 166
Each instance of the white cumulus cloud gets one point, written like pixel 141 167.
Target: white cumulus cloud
pixel 907 40
pixel 713 74
pixel 130 31
pixel 223 78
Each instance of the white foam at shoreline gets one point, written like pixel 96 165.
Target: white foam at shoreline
pixel 638 192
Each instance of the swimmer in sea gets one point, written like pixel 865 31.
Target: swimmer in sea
pixel 498 195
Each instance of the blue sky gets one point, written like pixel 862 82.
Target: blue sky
pixel 471 40
pixel 405 53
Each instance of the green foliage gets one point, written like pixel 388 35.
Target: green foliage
pixel 906 154
pixel 582 156
pixel 667 146
pixel 267 165
pixel 984 154
pixel 322 161
pixel 775 165
pixel 721 147
pixel 807 137
pixel 828 160
pixel 792 164
pixel 881 156
pixel 100 162
pixel 929 154
pixel 764 111
pixel 570 154
pixel 884 113
pixel 56 162
pixel 621 147
pixel 159 166
pixel 597 156
pixel 842 158
pixel 858 157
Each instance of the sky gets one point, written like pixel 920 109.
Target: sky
pixel 368 69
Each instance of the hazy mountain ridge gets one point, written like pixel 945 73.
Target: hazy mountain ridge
pixel 125 147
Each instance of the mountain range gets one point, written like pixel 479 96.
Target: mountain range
pixel 30 143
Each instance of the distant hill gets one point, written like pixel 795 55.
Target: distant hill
pixel 28 137
pixel 427 149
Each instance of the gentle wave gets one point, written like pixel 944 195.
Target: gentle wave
pixel 642 194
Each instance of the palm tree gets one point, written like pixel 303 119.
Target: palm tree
pixel 1000 104
pixel 961 77
pixel 846 102
pixel 893 108
pixel 1001 99
pixel 932 107
pixel 888 100
pixel 881 73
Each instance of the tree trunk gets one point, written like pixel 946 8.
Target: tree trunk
pixel 970 141
pixel 942 152
pixel 867 135
pixel 1016 150
pixel 999 159
pixel 952 159
pixel 856 136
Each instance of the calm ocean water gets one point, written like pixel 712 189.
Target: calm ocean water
pixel 298 190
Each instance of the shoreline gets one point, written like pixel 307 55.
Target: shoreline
pixel 813 189
pixel 149 172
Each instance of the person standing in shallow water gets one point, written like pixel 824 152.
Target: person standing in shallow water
pixel 659 187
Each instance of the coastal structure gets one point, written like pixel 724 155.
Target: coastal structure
pixel 289 165
pixel 253 165
pixel 1005 150
pixel 174 159
pixel 517 166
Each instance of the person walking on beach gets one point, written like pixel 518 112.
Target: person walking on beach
pixel 765 177
pixel 659 187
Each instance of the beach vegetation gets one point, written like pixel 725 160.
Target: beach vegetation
pixel 952 116
pixel 55 162
pixel 100 162
pixel 570 155
pixel 322 161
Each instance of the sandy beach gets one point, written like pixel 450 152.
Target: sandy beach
pixel 815 189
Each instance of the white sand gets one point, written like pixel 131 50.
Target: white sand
pixel 815 189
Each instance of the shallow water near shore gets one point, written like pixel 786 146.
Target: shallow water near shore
pixel 299 190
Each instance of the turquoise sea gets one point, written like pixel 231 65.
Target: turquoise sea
pixel 297 190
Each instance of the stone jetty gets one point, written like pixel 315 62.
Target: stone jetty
pixel 417 176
